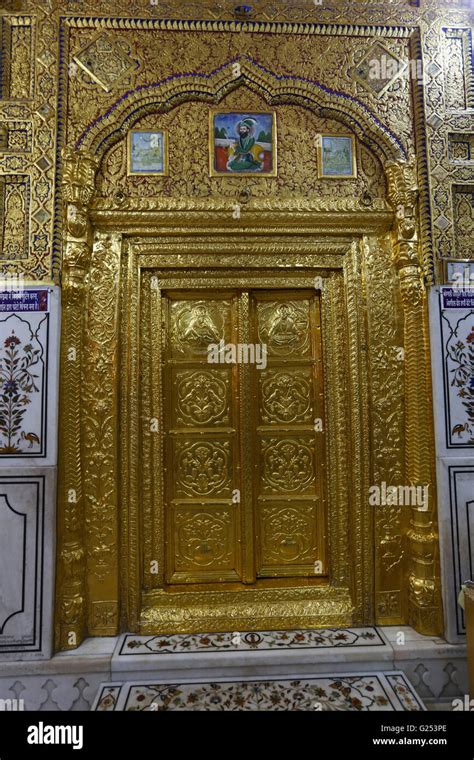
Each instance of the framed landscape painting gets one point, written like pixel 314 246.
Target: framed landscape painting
pixel 147 152
pixel 337 157
pixel 242 143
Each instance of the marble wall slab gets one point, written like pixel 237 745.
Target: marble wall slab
pixel 452 356
pixel 27 533
pixel 29 361
pixel 29 366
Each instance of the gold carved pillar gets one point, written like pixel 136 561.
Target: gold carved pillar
pixel 423 580
pixel 71 603
pixel 100 435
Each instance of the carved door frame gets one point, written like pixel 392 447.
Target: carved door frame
pixel 99 588
pixel 89 574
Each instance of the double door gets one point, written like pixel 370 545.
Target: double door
pixel 244 475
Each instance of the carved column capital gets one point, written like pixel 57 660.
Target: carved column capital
pixel 403 197
pixel 78 184
pixel 402 187
pixel 76 260
pixel 78 178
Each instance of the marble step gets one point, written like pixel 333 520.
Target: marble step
pixel 262 653
pixel 388 691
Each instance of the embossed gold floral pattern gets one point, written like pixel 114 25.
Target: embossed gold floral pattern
pixel 286 396
pixel 464 219
pixel 287 51
pixel 105 61
pixel 289 534
pixel 287 465
pixel 293 39
pixel 297 131
pixel 201 521
pixel 204 539
pixel 202 398
pixel 202 469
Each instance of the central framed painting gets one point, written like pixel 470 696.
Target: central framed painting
pixel 242 143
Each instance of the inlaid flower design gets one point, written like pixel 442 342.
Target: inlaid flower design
pixel 18 383
pixel 462 353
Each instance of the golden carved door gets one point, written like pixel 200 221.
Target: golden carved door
pixel 243 436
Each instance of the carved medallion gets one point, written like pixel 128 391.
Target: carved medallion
pixel 105 61
pixel 288 465
pixel 284 327
pixel 203 539
pixel 203 468
pixel 288 534
pixel 286 396
pixel 197 324
pixel 202 397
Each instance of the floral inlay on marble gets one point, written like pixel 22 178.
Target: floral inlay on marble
pixel 20 373
pixel 459 369
pixel 250 640
pixel 359 692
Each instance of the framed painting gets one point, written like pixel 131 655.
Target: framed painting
pixel 147 152
pixel 337 157
pixel 242 143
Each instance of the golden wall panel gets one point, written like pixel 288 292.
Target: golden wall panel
pixel 297 132
pixel 463 200
pixel 14 216
pixel 99 435
pixel 17 41
pixel 458 69
pixel 327 45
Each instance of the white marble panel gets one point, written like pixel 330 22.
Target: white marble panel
pixel 456 526
pixel 452 356
pixel 29 362
pixel 27 510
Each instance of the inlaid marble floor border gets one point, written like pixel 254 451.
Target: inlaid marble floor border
pixel 240 641
pixel 390 692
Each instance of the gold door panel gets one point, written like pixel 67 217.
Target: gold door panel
pixel 202 522
pixel 223 523
pixel 289 466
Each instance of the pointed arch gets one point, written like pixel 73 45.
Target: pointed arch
pixel 162 96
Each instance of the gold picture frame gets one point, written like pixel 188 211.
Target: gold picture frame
pixel 351 163
pixel 227 123
pixel 133 169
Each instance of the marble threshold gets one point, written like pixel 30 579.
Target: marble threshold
pixel 437 670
